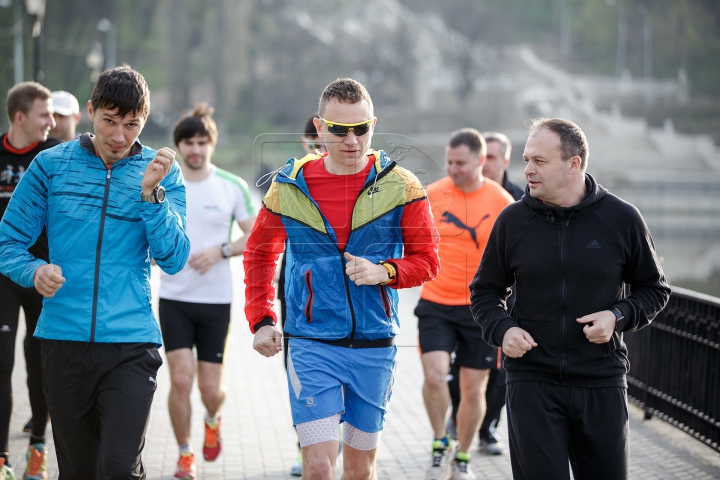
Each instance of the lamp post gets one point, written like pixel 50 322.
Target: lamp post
pixel 104 25
pixel 36 9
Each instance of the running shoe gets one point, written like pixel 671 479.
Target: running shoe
pixel 186 466
pixel 296 469
pixel 491 446
pixel 439 468
pixel 36 458
pixel 213 441
pixel 461 467
pixel 6 472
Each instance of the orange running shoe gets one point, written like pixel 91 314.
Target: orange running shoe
pixel 186 466
pixel 36 463
pixel 213 442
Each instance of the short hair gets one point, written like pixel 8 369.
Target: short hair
pixel 310 130
pixel 572 138
pixel 124 89
pixel 21 97
pixel 346 90
pixel 500 138
pixel 197 122
pixel 470 137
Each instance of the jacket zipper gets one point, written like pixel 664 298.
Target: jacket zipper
pixel 96 286
pixel 385 300
pixel 378 175
pixel 309 304
pixel 563 331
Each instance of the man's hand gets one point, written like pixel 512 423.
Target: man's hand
pixel 157 169
pixel 599 326
pixel 517 342
pixel 204 260
pixel 268 340
pixel 364 272
pixel 48 280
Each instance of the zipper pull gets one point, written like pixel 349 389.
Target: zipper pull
pixel 109 172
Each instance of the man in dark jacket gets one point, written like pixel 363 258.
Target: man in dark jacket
pixel 569 247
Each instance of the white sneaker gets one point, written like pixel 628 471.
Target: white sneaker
pixel 439 468
pixel 461 470
pixel 495 447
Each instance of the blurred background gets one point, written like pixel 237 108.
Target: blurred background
pixel 641 78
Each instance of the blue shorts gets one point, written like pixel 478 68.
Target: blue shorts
pixel 326 379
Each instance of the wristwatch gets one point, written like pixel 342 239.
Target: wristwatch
pixel 227 250
pixel 618 316
pixel 392 273
pixel 157 196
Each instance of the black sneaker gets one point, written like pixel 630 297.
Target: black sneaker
pixel 28 426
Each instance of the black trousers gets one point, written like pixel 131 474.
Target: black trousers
pixel 549 424
pixel 12 298
pixel 99 395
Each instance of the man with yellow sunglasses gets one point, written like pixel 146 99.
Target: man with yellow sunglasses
pixel 358 227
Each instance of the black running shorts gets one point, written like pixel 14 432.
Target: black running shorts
pixel 202 325
pixel 451 328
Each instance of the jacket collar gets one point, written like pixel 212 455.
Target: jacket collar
pixel 87 144
pixel 595 192
pixel 290 173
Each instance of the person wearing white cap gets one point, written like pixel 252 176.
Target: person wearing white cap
pixel 67 116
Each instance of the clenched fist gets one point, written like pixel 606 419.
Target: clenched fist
pixel 157 169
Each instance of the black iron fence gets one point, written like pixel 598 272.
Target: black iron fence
pixel 675 365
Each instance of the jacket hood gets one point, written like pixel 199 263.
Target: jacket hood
pixel 595 192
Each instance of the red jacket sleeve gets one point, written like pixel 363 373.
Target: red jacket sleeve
pixel 266 243
pixel 420 262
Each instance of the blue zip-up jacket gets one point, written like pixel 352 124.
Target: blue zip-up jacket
pixel 101 235
pixel 322 302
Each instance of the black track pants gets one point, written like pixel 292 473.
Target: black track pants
pixel 99 395
pixel 12 298
pixel 495 399
pixel 549 424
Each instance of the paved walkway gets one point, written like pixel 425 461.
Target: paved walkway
pixel 259 441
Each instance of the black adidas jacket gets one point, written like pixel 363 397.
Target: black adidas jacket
pixel 567 263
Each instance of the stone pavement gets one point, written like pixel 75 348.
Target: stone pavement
pixel 259 441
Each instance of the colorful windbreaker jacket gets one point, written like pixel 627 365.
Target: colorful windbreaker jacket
pixel 101 235
pixel 391 221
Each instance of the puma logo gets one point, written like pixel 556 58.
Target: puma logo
pixel 450 218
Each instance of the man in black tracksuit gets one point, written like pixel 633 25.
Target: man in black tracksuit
pixel 569 247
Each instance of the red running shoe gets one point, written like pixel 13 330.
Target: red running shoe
pixel 186 466
pixel 213 442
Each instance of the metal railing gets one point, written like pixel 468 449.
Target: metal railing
pixel 675 365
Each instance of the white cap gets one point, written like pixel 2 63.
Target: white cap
pixel 65 103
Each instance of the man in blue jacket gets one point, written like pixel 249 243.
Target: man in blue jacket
pixel 109 205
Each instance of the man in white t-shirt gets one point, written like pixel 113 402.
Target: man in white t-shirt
pixel 195 303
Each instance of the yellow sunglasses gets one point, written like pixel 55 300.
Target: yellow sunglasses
pixel 342 129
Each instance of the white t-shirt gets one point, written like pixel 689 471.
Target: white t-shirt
pixel 213 204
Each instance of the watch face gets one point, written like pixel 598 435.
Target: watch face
pixel 160 194
pixel 227 250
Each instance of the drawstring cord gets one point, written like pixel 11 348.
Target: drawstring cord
pixel 267 177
